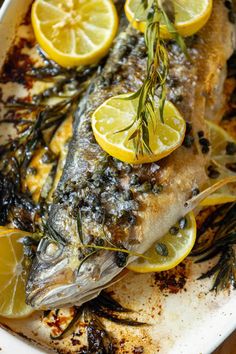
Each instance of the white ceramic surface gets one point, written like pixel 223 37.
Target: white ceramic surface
pixel 191 322
pixel 11 14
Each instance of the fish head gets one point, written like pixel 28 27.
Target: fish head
pixel 53 268
pixel 59 277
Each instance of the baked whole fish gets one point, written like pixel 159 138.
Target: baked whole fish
pixel 104 202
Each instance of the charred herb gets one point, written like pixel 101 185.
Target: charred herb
pixel 78 311
pixel 38 131
pixel 99 341
pixel 16 207
pixel 51 69
pixel 91 313
pixel 30 245
pixel 232 65
pixel 217 237
pixel 105 306
pixel 37 121
pixel 33 134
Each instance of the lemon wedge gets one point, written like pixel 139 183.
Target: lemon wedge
pixel 221 141
pixel 114 115
pixel 74 33
pixel 12 274
pixel 170 250
pixel 190 16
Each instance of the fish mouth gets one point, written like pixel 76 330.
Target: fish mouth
pixel 59 295
pixel 39 292
pixel 61 285
pixel 65 295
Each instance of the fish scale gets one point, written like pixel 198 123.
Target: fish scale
pixel 95 200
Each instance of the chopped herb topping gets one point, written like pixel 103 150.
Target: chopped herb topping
pixel 157 188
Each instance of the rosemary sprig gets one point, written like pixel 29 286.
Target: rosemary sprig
pixel 16 207
pixel 217 236
pixel 104 306
pixel 37 132
pixel 36 122
pixel 153 89
pixel 78 311
pixel 157 71
pixel 168 16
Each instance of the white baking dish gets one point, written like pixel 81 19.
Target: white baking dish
pixel 11 15
pixel 193 322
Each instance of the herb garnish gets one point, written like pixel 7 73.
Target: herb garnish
pixel 91 313
pixel 153 88
pixel 217 236
pixel 36 122
pixel 31 137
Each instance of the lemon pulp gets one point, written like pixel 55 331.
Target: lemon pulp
pixel 178 243
pixel 190 16
pixel 12 275
pixel 219 139
pixel 114 115
pixel 74 33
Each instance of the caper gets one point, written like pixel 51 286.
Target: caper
pixel 132 219
pixel 230 148
pixel 213 172
pixel 99 242
pixel 183 223
pixel 157 188
pixel 161 249
pixel 127 195
pixel 121 259
pixel 195 192
pixel 134 180
pixel 145 187
pixel 188 141
pixel 174 230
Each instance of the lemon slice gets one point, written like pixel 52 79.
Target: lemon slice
pixel 219 140
pixel 12 275
pixel 170 250
pixel 72 32
pixel 117 113
pixel 190 16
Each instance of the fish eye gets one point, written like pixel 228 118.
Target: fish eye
pixel 49 250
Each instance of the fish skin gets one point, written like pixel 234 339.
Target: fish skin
pixel 57 277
